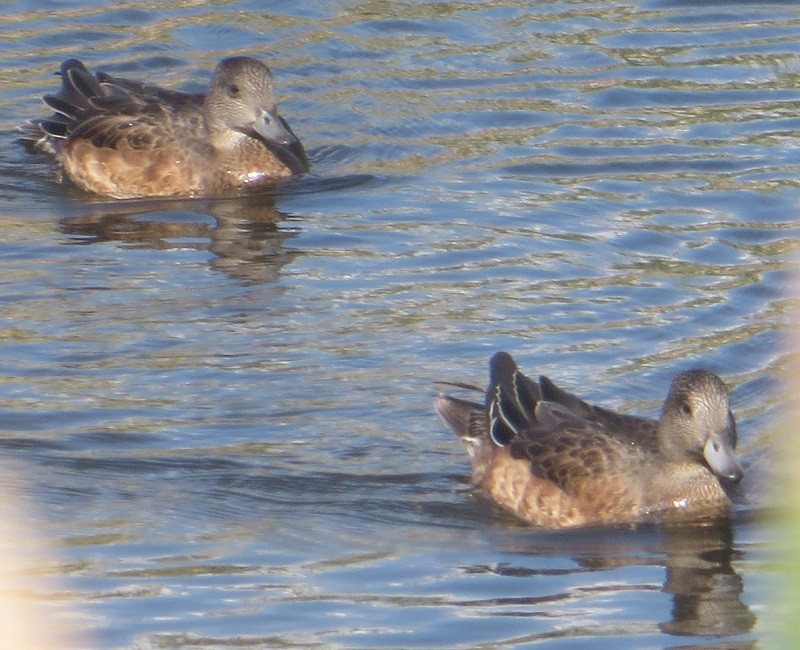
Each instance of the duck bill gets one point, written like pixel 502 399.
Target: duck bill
pixel 719 455
pixel 280 139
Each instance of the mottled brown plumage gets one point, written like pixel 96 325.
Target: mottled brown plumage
pixel 126 139
pixel 557 461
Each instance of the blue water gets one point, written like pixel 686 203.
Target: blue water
pixel 219 413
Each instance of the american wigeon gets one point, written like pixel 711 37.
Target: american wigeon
pixel 128 139
pixel 556 461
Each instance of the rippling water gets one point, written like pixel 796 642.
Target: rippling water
pixel 220 411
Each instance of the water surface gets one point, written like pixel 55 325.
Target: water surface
pixel 221 410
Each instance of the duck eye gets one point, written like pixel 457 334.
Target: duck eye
pixel 686 408
pixel 234 90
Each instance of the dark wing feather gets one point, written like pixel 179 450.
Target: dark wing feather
pixel 643 430
pixel 63 107
pixel 77 82
pixel 132 88
pixel 78 88
pixel 510 400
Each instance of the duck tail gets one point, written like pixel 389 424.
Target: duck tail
pixel 462 416
pixel 34 138
pixel 78 88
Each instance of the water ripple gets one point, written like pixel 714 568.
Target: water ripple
pixel 222 408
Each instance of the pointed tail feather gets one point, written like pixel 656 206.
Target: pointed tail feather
pixel 462 416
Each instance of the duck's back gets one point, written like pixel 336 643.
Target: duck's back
pixel 633 429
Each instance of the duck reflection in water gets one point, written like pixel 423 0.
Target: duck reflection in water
pixel 246 235
pixel 706 588
pixel 700 575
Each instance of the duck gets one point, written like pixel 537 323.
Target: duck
pixel 556 461
pixel 127 139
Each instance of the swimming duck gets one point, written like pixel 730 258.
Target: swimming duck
pixel 556 461
pixel 127 139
